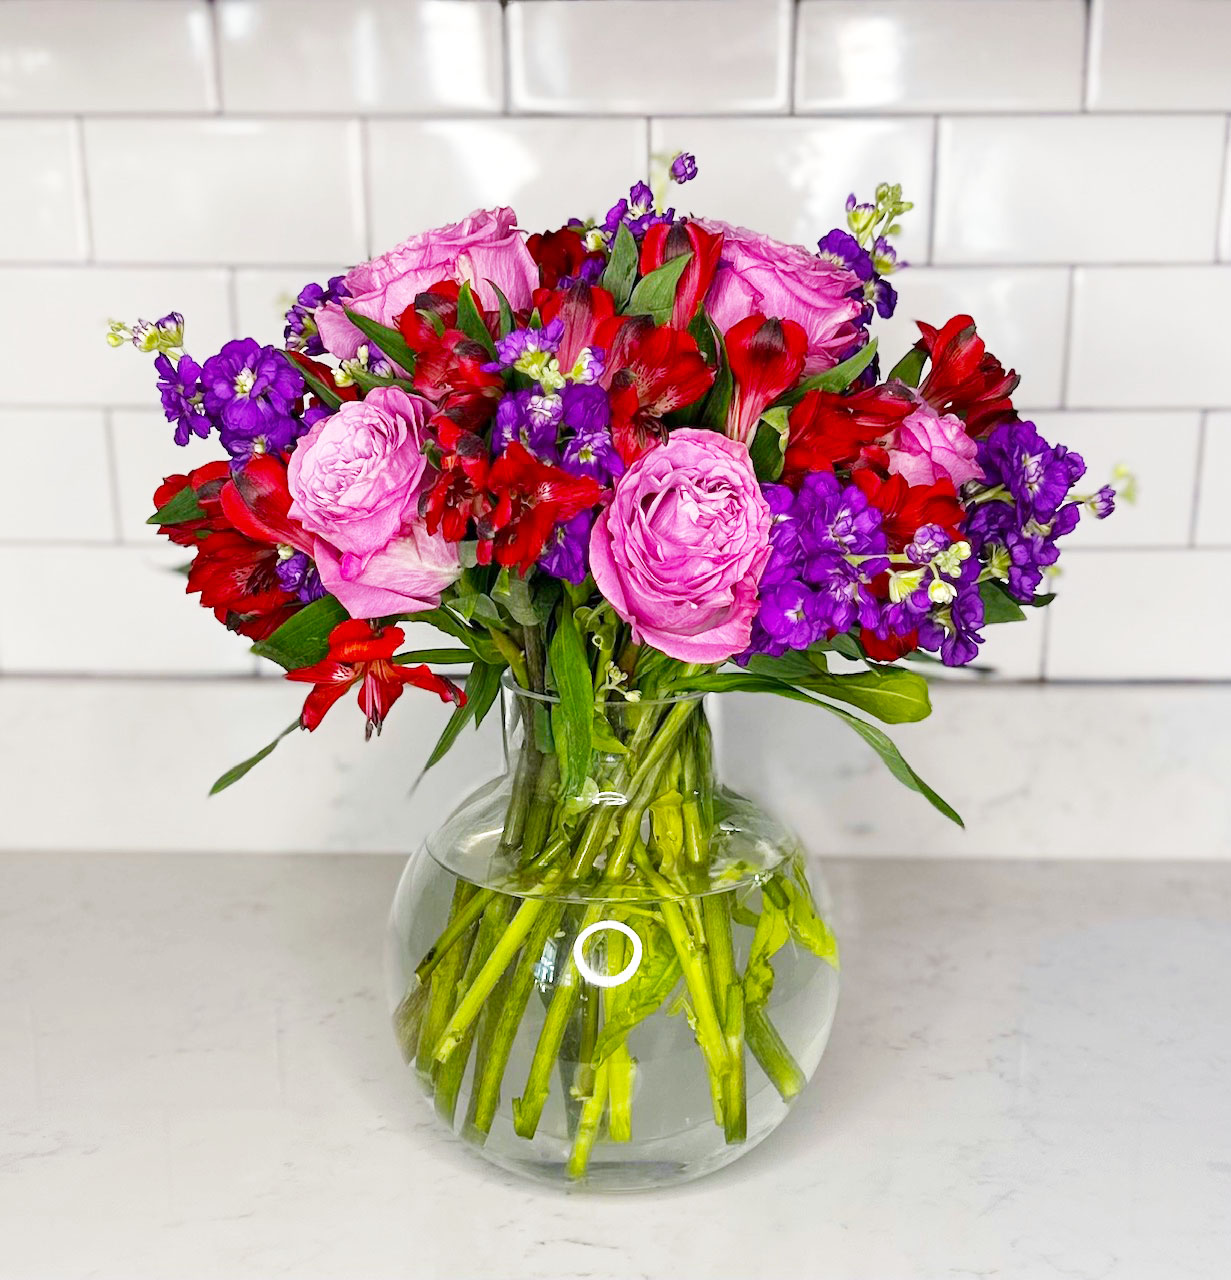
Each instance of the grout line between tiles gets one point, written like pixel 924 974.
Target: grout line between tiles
pixel 215 59
pixel 82 185
pixel 1195 506
pixel 934 193
pixel 1089 53
pixel 113 475
pixel 1066 351
pixel 1224 195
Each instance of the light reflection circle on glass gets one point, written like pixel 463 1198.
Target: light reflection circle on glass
pixel 588 971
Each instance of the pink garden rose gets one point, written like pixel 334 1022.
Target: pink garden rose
pixel 681 548
pixel 485 248
pixel 759 275
pixel 355 481
pixel 925 447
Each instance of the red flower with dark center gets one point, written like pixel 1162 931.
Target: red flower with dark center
pixel 362 653
pixel 965 378
pixel 651 370
pixel 559 254
pixel 238 579
pixel 440 300
pixel 531 499
pixel 905 508
pixel 459 493
pixel 581 309
pixel 667 240
pixel 449 363
pixel 206 483
pixel 325 374
pixel 257 502
pixel 766 357
pixel 826 430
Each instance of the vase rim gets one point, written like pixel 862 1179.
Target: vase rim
pixel 511 687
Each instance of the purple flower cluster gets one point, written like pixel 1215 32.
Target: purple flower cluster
pixel 249 392
pixel 683 167
pixel 875 292
pixel 637 212
pixel 300 333
pixel 567 553
pixel 179 385
pixel 826 546
pixel 1016 527
pixel 297 573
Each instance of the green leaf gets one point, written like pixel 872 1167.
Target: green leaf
pixel 836 379
pixel 506 312
pixel 654 295
pixel 235 772
pixel 718 401
pixel 390 341
pixel 572 716
pixel 891 694
pixel 910 368
pixel 303 639
pixel 482 688
pixel 807 928
pixel 769 444
pixel 184 506
pixel 1042 600
pixel 478 642
pixel 470 322
pixel 770 936
pixel 436 657
pixel 728 682
pixel 653 983
pixel 621 268
pixel 998 605
pixel 847 646
pixel 321 390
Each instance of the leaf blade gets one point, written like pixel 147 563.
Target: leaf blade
pixel 237 771
pixel 654 294
pixel 303 639
pixel 390 341
pixel 572 718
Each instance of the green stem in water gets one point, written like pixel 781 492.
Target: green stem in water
pixel 729 998
pixel 587 1126
pixel 448 970
pixel 476 901
pixel 770 1050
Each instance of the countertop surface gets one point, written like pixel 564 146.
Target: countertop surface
pixel 1029 1077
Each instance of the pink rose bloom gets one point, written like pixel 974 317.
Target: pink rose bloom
pixel 925 447
pixel 679 551
pixel 757 274
pixel 355 481
pixel 485 248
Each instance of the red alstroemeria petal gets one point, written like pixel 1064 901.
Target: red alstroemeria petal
pixel 357 640
pixel 327 671
pixel 766 356
pixel 423 677
pixel 318 702
pixel 257 502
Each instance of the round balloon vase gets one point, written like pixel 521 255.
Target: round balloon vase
pixel 618 982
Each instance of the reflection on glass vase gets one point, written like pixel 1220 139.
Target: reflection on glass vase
pixel 621 988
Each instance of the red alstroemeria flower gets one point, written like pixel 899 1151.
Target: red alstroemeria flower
pixel 459 493
pixel 559 254
pixel 238 579
pixel 532 497
pixel 905 508
pixel 826 430
pixel 582 308
pixel 440 300
pixel 650 371
pixel 257 501
pixel 206 483
pixel 325 374
pixel 891 648
pixel 449 363
pixel 766 357
pixel 361 653
pixel 965 378
pixel 667 240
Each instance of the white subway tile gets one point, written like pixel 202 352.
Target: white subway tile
pixel 1011 651
pixel 1019 311
pixel 240 191
pixel 122 55
pixel 1077 189
pixel 1160 449
pixel 109 609
pixel 790 178
pixel 1213 509
pixel 145 451
pixel 1116 358
pixel 939 55
pixel 74 304
pixel 263 295
pixel 1224 236
pixel 360 55
pixel 42 209
pixel 1160 55
pixel 77 506
pixel 1099 632
pixel 481 163
pixel 628 57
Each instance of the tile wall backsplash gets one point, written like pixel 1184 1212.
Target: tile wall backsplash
pixel 1068 163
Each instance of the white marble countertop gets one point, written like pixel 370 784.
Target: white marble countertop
pixel 1029 1077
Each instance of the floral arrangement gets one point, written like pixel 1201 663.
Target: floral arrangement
pixel 614 463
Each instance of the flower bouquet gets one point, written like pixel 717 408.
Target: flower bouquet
pixel 620 465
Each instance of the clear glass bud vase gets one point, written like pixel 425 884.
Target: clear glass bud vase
pixel 619 982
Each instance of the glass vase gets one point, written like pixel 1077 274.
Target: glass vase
pixel 618 984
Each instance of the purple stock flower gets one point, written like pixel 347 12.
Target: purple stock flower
pixel 843 250
pixel 179 385
pixel 637 212
pixel 1037 474
pixel 684 167
pixel 792 615
pixel 567 553
pixel 297 573
pixel 929 541
pixel 589 450
pixel 520 343
pixel 301 333
pixel 1103 503
pixel 531 419
pixel 250 391
pixel 953 629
